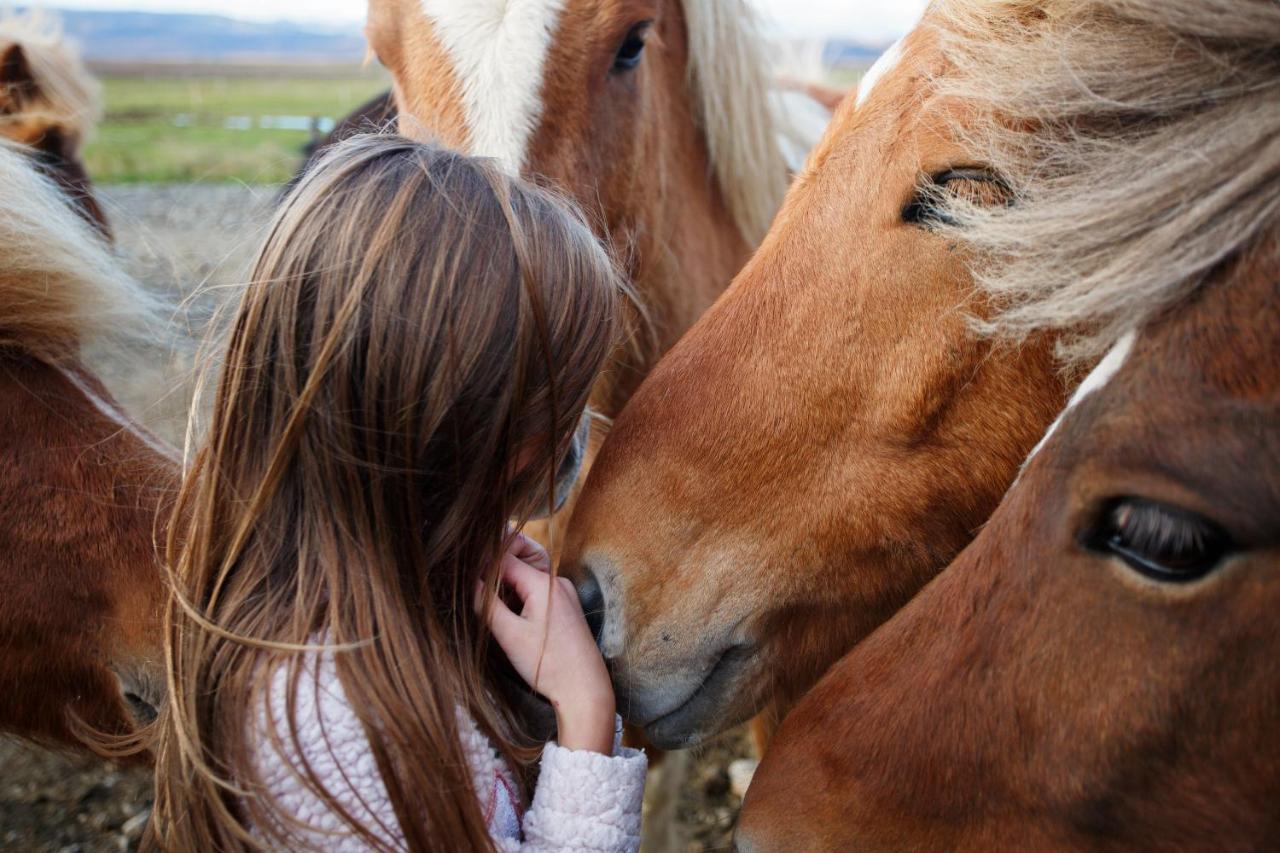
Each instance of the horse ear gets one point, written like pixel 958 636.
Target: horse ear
pixel 16 79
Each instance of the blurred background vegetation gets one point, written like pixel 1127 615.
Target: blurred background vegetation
pixel 211 123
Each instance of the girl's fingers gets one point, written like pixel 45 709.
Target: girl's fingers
pixel 525 580
pixel 505 625
pixel 531 551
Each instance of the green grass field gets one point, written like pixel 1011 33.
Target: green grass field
pixel 177 126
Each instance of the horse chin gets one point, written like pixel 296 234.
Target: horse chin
pixel 729 695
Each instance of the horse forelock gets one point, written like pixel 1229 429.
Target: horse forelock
pixel 65 95
pixel 745 128
pixel 60 285
pixel 1141 139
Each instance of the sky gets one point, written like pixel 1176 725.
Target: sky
pixel 872 20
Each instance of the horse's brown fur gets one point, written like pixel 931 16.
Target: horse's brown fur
pixel 79 503
pixel 81 486
pixel 1041 695
pixel 819 445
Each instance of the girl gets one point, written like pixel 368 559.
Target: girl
pixel 407 371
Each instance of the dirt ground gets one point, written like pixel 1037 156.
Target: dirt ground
pixel 192 244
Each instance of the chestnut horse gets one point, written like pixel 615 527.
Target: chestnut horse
pixel 1097 670
pixel 81 483
pixel 50 103
pixel 656 116
pixel 824 440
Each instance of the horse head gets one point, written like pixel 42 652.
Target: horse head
pixel 83 488
pixel 49 102
pixel 655 116
pixel 1094 670
pixel 825 439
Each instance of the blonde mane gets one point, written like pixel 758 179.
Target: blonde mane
pixel 745 131
pixel 67 95
pixel 60 286
pixel 1141 142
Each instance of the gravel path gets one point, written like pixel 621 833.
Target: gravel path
pixel 193 244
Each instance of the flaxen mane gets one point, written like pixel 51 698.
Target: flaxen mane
pixel 60 286
pixel 1141 141
pixel 745 131
pixel 66 95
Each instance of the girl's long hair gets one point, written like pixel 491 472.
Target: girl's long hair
pixel 417 343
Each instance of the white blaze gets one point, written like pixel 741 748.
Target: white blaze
pixel 118 417
pixel 886 63
pixel 1096 380
pixel 498 49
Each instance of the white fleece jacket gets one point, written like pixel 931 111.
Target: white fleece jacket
pixel 584 801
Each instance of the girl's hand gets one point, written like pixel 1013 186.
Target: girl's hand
pixel 552 649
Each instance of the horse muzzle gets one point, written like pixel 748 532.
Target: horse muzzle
pixel 726 696
pixel 681 682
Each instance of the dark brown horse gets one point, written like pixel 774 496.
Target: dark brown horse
pixel 1097 670
pixel 373 116
pixel 82 485
pixel 49 102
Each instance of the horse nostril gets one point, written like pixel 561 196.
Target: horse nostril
pixel 592 598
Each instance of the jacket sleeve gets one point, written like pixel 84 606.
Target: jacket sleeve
pixel 586 802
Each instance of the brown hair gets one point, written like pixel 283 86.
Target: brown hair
pixel 415 323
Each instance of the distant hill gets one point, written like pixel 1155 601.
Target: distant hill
pixel 151 37
pixel 129 37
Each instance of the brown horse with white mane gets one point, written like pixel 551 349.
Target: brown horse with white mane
pixel 49 102
pixel 656 116
pixel 82 485
pixel 1097 670
pixel 824 440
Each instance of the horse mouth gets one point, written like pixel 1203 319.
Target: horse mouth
pixel 701 714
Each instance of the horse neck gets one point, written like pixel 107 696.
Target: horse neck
pixel 83 495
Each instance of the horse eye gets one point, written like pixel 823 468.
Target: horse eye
pixel 632 49
pixel 1162 542
pixel 975 185
pixel 143 711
